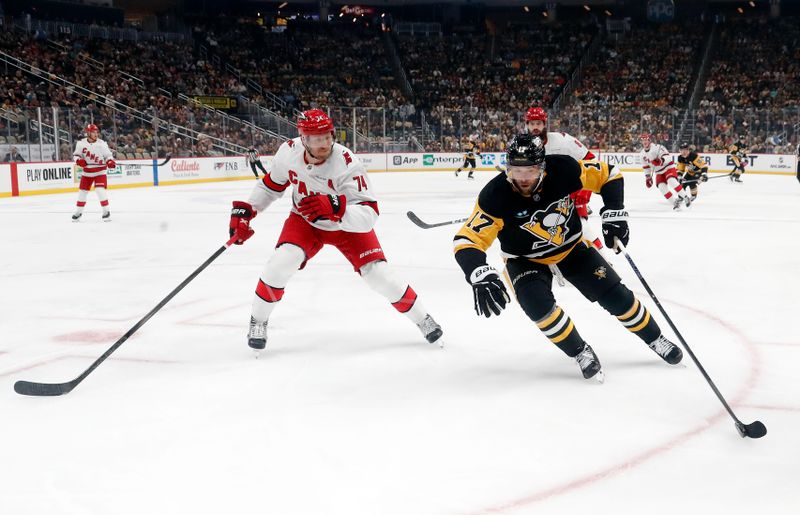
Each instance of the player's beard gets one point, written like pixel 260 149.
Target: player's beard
pixel 319 154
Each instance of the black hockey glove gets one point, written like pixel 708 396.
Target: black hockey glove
pixel 615 225
pixel 703 176
pixel 488 290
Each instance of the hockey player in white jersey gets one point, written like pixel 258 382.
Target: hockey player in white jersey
pixel 332 204
pixel 657 161
pixel 94 157
pixel 563 144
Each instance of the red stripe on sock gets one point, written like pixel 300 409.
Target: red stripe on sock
pixel 267 293
pixel 407 301
pixel 668 194
pixel 679 188
pixel 104 203
pixel 81 204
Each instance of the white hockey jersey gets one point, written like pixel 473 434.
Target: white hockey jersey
pixel 656 159
pixel 341 174
pixel 96 154
pixel 563 143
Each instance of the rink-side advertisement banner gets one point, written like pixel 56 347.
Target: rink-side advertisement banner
pixel 717 163
pixel 40 178
pixel 206 169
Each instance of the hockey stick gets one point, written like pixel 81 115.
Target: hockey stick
pixel 419 223
pixel 162 163
pixel 755 429
pixel 52 389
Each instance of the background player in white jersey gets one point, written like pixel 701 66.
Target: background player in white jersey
pixel 562 143
pixel 94 157
pixel 657 161
pixel 332 204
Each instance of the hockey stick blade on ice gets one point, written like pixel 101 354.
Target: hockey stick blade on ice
pixel 419 223
pixel 753 430
pixel 53 389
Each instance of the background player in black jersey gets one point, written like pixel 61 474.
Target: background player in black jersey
pixel 692 169
pixel 471 149
pixel 530 211
pixel 739 157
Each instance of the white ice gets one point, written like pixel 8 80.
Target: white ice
pixel 349 411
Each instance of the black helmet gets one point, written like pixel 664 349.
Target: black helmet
pixel 526 150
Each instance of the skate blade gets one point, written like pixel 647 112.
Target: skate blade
pixel 600 377
pixel 257 353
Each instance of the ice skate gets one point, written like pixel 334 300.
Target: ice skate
pixel 676 206
pixel 457 172
pixel 470 176
pixel 688 200
pixel 107 216
pixel 257 336
pixel 738 179
pixel 431 330
pixel 590 365
pixel 76 216
pixel 668 351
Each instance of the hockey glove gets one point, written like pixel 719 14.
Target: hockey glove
pixel 648 181
pixel 704 177
pixel 81 162
pixel 615 225
pixel 315 207
pixel 241 214
pixel 111 164
pixel 488 290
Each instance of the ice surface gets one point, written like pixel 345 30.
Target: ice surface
pixel 349 411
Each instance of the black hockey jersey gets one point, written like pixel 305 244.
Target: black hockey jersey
pixel 543 227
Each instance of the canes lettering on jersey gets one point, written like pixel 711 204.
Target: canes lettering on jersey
pixel 96 154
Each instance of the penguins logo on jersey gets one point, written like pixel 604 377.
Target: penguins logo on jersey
pixel 550 223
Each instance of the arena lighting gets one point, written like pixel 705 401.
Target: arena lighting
pixel 526 9
pixel 284 4
pixel 544 13
pixel 587 7
pixel 752 4
pixel 341 14
pixel 740 10
pixel 608 13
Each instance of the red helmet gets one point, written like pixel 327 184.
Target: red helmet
pixel 314 121
pixel 536 113
pixel 645 137
pixel 91 128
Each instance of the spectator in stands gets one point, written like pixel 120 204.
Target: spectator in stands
pixel 13 156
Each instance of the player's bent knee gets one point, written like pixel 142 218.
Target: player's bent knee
pixel 377 276
pixel 617 300
pixel 536 303
pixel 287 257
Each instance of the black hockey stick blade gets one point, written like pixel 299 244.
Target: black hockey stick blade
pixel 43 389
pixel 424 225
pixel 756 429
pixel 165 161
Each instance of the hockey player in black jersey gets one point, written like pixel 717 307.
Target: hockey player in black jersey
pixel 692 169
pixel 529 210
pixel 739 157
pixel 470 151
